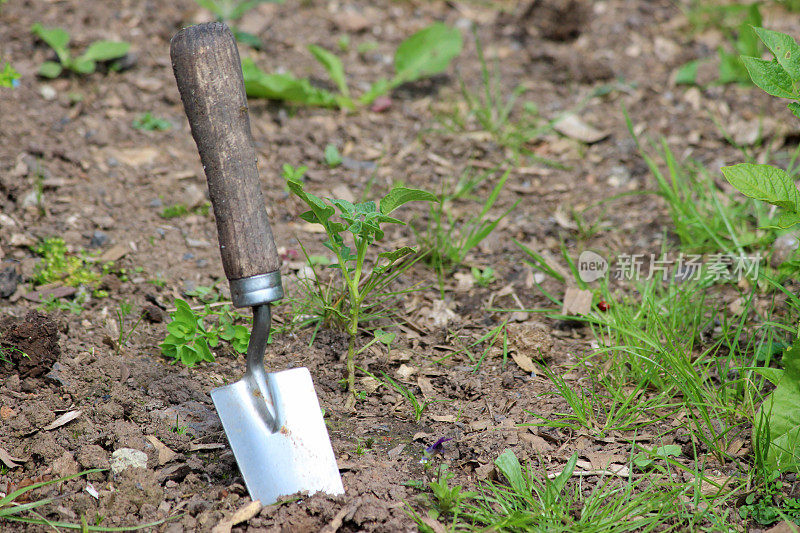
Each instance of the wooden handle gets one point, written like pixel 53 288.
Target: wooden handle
pixel 206 64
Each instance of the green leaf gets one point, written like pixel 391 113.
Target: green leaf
pixel 687 73
pixel 285 87
pixel 770 77
pixel 781 411
pixel 82 65
pixel 427 52
pixel 794 107
pixel 787 220
pixel 105 50
pixel 784 48
pixel 556 486
pixel 402 195
pixel 509 466
pixel 764 182
pixel 56 38
pixel 50 69
pixel 247 38
pixel 332 156
pixel 379 88
pixel 397 254
pixel 333 65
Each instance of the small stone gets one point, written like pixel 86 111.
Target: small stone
pixel 125 458
pixel 197 243
pixel 9 280
pixel 156 202
pixel 98 239
pixel 48 93
pixel 188 256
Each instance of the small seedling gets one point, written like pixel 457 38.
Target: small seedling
pixel 362 222
pixel 180 210
pixel 230 10
pixel 449 237
pixel 426 53
pixel 124 309
pixel 448 499
pixel 189 340
pixel 178 428
pixel 75 305
pixel 58 40
pixel 8 76
pixel 419 408
pixel 483 277
pixel 149 122
pixel 332 156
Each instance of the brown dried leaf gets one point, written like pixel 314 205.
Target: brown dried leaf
pixel 425 385
pixel 524 362
pixel 165 455
pixel 9 460
pixel 243 514
pixel 575 128
pixel 63 419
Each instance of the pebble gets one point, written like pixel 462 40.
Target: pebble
pixel 98 239
pixel 48 93
pixel 197 243
pixel 125 458
pixel 156 202
pixel 188 256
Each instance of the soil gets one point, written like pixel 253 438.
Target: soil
pixel 71 165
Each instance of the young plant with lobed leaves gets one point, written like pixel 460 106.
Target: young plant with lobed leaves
pixel 86 63
pixel 361 223
pixel 426 53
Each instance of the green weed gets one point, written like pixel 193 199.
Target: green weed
pixel 149 122
pixel 417 406
pixel 58 40
pixel 229 11
pixel 58 265
pixel 8 76
pixel 426 53
pixel 189 340
pixel 736 21
pixel 180 210
pixel 362 223
pixel 332 156
pixel 449 236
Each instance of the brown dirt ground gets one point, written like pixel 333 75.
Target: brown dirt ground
pixel 73 136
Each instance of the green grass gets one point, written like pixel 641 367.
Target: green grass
pixel 527 500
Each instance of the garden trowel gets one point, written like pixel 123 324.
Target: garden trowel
pixel 273 421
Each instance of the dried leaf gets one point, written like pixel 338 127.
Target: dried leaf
pixel 435 526
pixel 6 412
pixel 243 514
pixel 63 419
pixel 524 362
pixel 575 128
pixel 426 387
pixel 165 455
pixel 443 418
pixel 577 301
pixel 9 460
pixel 406 371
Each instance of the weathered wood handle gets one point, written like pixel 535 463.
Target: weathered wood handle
pixel 206 64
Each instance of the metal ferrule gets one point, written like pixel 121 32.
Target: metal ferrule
pixel 256 290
